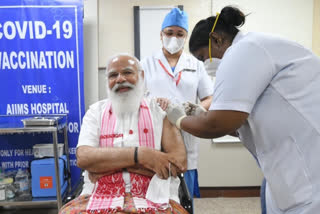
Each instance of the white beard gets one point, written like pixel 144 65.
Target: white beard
pixel 126 102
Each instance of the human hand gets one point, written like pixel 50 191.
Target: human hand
pixel 158 162
pixel 187 108
pixel 175 113
pixel 193 109
pixel 174 170
pixel 163 103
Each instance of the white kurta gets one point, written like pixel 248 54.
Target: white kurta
pixel 278 83
pixel 91 125
pixel 193 84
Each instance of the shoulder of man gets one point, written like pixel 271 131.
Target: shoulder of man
pixel 100 105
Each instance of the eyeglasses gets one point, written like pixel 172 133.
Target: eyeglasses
pixel 213 27
pixel 125 73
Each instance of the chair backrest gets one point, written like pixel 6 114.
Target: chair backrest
pixel 184 195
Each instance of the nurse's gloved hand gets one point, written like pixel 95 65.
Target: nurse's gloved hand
pixel 193 109
pixel 187 108
pixel 196 109
pixel 175 114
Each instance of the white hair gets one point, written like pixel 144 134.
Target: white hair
pixel 126 102
pixel 138 64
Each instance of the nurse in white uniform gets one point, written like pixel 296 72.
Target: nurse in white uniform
pixel 171 73
pixel 268 91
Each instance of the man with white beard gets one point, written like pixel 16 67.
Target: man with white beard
pixel 124 142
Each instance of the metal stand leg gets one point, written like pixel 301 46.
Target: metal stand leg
pixel 66 146
pixel 56 164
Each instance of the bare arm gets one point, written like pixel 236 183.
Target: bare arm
pixel 172 143
pixel 213 124
pixel 206 102
pixel 104 160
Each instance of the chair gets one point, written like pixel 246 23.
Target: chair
pixel 184 195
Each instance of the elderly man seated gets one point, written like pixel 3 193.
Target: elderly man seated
pixel 129 149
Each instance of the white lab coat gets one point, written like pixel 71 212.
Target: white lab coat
pixel 278 83
pixel 193 83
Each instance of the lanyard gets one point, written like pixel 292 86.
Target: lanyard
pixel 179 75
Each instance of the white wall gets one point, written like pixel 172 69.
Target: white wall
pixel 291 19
pixel 116 30
pixel 116 22
pixel 316 27
pixel 227 165
pixel 219 165
pixel 90 46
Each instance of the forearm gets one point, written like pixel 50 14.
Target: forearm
pixel 210 124
pixel 138 169
pixel 103 160
pixel 206 102
pixel 201 126
pixel 179 152
pixel 213 124
pixel 181 156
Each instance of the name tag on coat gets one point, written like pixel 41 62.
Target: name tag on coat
pixel 188 70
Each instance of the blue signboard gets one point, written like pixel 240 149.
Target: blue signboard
pixel 41 71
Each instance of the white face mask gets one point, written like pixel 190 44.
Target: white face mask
pixel 172 44
pixel 212 67
pixel 162 190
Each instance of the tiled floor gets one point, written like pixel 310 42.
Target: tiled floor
pixel 202 206
pixel 227 205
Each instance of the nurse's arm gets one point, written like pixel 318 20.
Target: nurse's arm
pixel 213 124
pixel 206 102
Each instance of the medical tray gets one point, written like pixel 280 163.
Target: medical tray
pixel 41 121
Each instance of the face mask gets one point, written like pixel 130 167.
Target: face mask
pixel 173 44
pixel 212 67
pixel 162 190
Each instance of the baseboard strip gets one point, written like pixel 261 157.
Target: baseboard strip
pixel 214 192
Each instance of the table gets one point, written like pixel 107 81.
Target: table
pixel 16 127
